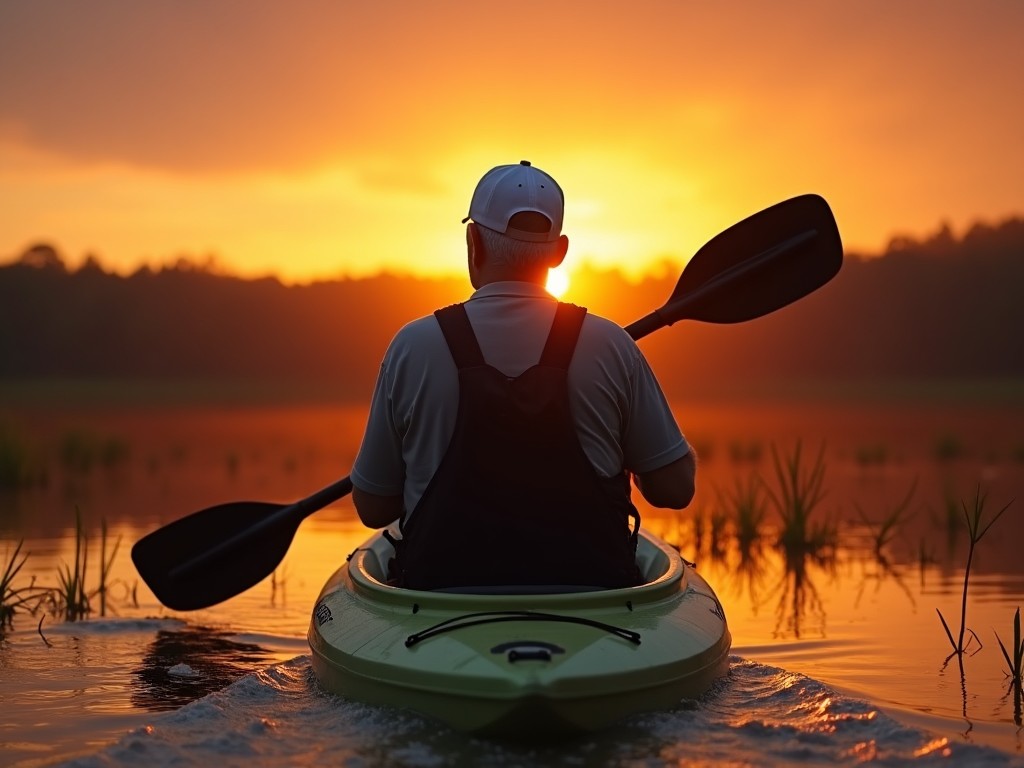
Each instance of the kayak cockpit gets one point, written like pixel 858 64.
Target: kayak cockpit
pixel 660 566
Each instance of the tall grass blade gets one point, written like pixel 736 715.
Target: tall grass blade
pixel 949 634
pixel 1006 654
pixel 1014 660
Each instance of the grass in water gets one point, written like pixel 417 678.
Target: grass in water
pixel 12 599
pixel 800 493
pixel 106 564
pixel 976 530
pixel 1014 659
pixel 72 599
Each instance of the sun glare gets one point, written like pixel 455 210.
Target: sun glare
pixel 558 282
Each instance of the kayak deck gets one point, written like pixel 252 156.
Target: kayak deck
pixel 537 662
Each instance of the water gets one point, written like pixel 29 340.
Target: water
pixel 838 659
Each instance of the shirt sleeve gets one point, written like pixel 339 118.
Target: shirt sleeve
pixel 379 467
pixel 651 438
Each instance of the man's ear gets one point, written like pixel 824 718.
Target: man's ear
pixel 558 250
pixel 474 245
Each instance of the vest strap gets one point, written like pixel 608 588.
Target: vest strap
pixel 459 334
pixel 466 352
pixel 565 330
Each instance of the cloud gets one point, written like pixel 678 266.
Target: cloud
pixel 193 86
pixel 229 86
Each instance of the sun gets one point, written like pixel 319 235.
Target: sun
pixel 558 282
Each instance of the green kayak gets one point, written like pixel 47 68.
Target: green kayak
pixel 520 662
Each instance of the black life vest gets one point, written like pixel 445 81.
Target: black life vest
pixel 515 500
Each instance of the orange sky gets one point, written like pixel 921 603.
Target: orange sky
pixel 312 139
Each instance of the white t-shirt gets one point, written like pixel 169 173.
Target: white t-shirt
pixel 622 417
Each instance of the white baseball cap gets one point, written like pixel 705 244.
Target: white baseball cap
pixel 510 189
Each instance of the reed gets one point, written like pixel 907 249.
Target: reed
pixel 800 493
pixel 11 598
pixel 72 598
pixel 976 530
pixel 885 530
pixel 106 566
pixel 1014 657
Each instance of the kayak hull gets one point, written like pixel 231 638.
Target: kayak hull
pixel 524 666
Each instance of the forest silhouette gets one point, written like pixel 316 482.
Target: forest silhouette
pixel 936 308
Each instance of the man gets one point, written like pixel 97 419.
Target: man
pixel 502 432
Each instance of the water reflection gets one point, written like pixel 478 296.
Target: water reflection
pixel 800 603
pixel 182 665
pixel 751 570
pixel 883 640
pixel 769 570
pixel 882 571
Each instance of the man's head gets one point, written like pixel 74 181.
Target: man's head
pixel 516 224
pixel 509 190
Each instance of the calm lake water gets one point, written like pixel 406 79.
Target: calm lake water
pixel 840 656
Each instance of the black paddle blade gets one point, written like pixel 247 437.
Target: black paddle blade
pixel 760 264
pixel 158 556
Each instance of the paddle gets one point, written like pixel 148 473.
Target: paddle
pixel 755 267
pixel 758 265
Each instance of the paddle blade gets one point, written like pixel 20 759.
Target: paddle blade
pixel 760 264
pixel 159 555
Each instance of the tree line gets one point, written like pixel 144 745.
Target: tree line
pixel 940 307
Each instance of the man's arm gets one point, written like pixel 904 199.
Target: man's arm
pixel 376 511
pixel 671 486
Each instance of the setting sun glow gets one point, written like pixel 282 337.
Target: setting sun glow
pixel 558 282
pixel 145 137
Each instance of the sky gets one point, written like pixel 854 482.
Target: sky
pixel 320 138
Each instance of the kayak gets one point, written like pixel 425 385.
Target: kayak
pixel 520 662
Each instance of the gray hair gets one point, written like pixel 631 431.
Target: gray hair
pixel 506 251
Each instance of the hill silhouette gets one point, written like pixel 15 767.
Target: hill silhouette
pixel 941 307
